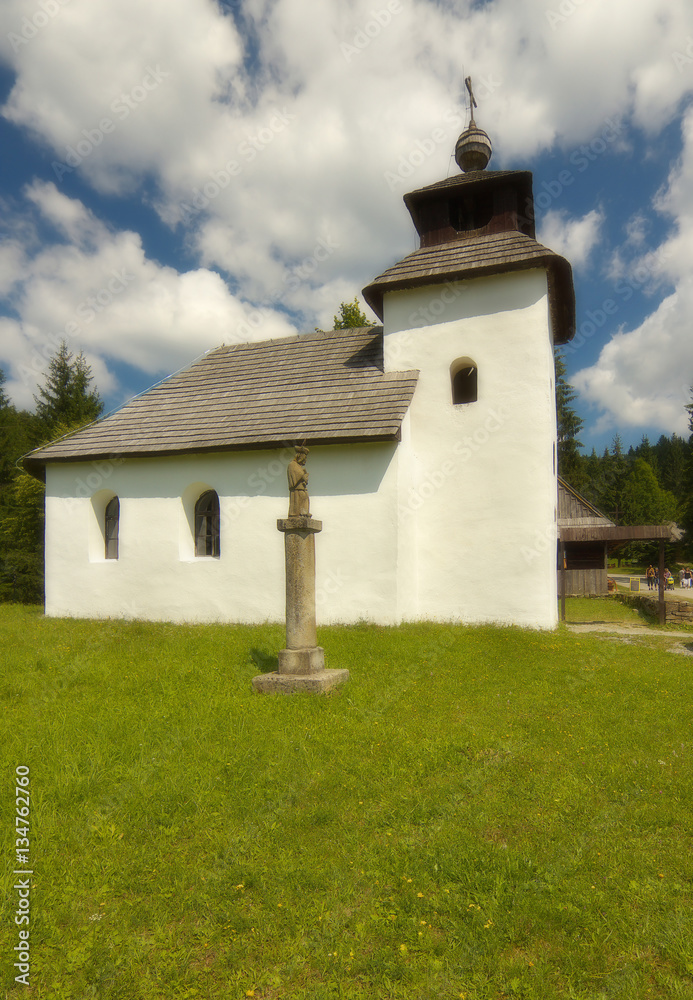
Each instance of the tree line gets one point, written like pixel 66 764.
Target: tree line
pixel 65 402
pixel 648 484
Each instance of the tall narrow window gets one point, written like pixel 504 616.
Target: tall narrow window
pixel 207 525
pixel 464 383
pixel 112 519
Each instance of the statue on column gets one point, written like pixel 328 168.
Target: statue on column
pixel 297 474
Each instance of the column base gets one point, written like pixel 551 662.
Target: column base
pixel 317 683
pixel 301 661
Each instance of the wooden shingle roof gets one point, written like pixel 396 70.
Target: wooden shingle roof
pixel 324 387
pixel 579 521
pixel 488 254
pixel 574 511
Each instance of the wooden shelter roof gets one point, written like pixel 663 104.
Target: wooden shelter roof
pixel 620 533
pixel 574 511
pixel 472 258
pixel 579 521
pixel 324 387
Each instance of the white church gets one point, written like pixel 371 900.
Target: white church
pixel 432 446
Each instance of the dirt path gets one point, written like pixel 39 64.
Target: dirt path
pixel 617 628
pixel 638 635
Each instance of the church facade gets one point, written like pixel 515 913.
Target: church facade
pixel 432 447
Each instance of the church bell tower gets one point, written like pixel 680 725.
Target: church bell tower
pixel 477 309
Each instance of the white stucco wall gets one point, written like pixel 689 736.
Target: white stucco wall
pixel 157 575
pixel 478 480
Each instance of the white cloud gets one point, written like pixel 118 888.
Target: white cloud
pixel 573 239
pixel 112 87
pixel 338 96
pixel 284 143
pixel 105 297
pixel 643 376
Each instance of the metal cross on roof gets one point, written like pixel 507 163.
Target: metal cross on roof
pixel 472 102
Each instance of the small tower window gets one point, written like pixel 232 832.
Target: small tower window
pixel 207 525
pixel 464 382
pixel 471 212
pixel 111 524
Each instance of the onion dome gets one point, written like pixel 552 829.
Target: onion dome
pixel 473 149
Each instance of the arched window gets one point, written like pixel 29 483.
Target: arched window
pixel 207 525
pixel 464 382
pixel 111 523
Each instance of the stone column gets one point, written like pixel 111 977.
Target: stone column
pixel 302 654
pixel 302 663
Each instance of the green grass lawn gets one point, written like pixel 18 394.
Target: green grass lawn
pixel 480 813
pixel 602 609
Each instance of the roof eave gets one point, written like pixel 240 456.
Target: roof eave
pixel 616 533
pixel 37 466
pixel 560 280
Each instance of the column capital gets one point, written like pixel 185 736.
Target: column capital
pixel 300 522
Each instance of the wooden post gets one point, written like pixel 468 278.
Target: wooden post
pixel 662 608
pixel 561 550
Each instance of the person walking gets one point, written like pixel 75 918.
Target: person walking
pixel 650 576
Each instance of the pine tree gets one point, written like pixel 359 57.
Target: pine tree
pixel 21 540
pixel 670 464
pixel 4 401
pixel 569 425
pixel 66 400
pixel 615 473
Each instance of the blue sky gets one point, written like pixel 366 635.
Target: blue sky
pixel 178 174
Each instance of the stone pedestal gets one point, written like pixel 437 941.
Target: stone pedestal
pixel 302 663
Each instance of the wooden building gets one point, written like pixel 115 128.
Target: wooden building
pixel 585 561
